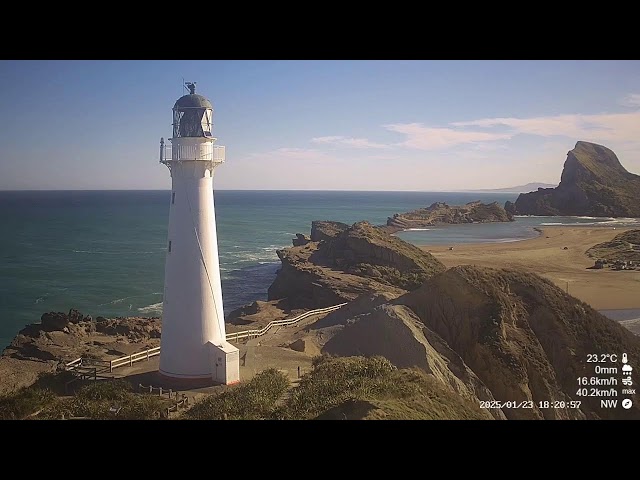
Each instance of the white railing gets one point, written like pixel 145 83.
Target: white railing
pixel 152 352
pixel 289 321
pixel 206 153
pixel 134 357
pixel 73 364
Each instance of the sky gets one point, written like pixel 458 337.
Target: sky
pixel 419 125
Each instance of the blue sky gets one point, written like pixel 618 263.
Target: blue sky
pixel 325 125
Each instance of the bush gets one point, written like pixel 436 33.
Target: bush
pixel 22 403
pixel 251 401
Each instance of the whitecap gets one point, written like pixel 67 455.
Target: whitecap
pixel 153 308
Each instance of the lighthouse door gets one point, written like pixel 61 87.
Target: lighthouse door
pixel 220 374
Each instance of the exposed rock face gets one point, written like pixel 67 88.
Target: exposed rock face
pixel 54 321
pixel 58 321
pixel 396 333
pixel 300 240
pixel 259 313
pixel 593 183
pixel 441 213
pixel 358 260
pixel 525 338
pixel 326 230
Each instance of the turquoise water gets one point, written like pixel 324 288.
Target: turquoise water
pixel 102 252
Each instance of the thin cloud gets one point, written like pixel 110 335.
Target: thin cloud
pixel 631 100
pixel 435 138
pixel 601 127
pixel 339 140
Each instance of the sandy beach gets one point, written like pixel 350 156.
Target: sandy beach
pixel 546 256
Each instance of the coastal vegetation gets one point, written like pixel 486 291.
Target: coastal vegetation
pixel 623 247
pixel 98 400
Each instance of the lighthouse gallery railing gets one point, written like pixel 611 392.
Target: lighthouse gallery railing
pixel 248 334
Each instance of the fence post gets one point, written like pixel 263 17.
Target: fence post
pixel 110 366
pixel 160 391
pixel 147 355
pixel 130 360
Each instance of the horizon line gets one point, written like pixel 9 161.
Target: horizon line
pixel 477 190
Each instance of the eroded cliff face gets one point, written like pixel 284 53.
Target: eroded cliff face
pixel 396 333
pixel 593 183
pixel 347 263
pixel 525 338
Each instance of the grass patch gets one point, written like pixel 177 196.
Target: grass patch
pixel 251 401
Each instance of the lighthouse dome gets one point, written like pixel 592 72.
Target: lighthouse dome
pixel 192 115
pixel 192 101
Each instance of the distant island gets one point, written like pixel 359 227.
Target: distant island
pixel 517 189
pixel 593 183
pixel 440 213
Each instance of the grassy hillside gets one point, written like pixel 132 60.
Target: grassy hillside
pixel 624 246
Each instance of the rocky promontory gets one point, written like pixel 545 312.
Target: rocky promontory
pixel 61 337
pixel 342 262
pixel 440 213
pixel 593 183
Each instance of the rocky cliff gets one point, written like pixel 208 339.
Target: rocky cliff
pixel 348 262
pixel 440 213
pixel 593 183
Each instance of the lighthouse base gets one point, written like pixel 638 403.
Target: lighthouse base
pixel 224 366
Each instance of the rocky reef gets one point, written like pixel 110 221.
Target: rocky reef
pixel 440 213
pixel 593 183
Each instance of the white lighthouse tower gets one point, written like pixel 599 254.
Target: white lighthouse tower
pixel 193 345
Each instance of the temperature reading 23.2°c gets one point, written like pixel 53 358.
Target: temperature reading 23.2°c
pixel 602 358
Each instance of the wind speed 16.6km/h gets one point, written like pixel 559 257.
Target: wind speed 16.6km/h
pixel 602 358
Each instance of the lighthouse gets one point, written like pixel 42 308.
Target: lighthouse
pixel 193 346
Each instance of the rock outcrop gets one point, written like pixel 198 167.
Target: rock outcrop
pixel 347 263
pixel 300 240
pixel 623 247
pixel 326 230
pixel 45 347
pixel 440 213
pixel 594 183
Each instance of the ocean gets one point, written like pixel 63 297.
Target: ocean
pixel 102 252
